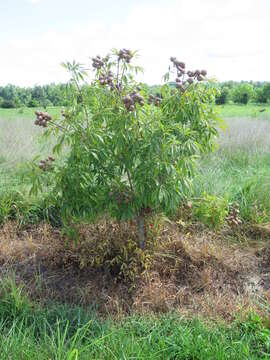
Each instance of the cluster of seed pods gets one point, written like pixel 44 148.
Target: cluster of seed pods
pixel 98 62
pixel 180 66
pixel 131 99
pixel 42 118
pixel 46 164
pixel 125 54
pixel 106 79
pixel 154 100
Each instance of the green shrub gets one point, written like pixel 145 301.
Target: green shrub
pixel 15 206
pixel 260 96
pixel 242 93
pixel 211 210
pixel 7 104
pixel 222 96
pixel 33 103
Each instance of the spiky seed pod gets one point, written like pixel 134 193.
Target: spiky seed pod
pixel 203 72
pixel 190 80
pixel 199 78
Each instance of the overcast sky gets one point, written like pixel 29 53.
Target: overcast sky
pixel 229 38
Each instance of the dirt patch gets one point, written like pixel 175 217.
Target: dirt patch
pixel 193 273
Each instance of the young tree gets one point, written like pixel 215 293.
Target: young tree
pixel 130 153
pixel 242 93
pixel 223 95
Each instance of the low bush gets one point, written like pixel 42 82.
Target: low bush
pixel 7 104
pixel 211 210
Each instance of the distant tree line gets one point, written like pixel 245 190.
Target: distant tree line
pixel 243 92
pixel 12 96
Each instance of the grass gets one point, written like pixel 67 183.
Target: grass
pixel 250 110
pixel 20 142
pixel 29 331
pixel 240 168
pixel 26 113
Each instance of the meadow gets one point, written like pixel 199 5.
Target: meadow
pixel 237 172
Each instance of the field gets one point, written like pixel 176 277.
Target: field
pixel 250 110
pixel 50 308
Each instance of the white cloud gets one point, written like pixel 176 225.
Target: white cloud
pixel 229 39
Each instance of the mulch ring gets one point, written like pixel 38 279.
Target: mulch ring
pixel 195 274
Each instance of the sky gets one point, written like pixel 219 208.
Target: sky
pixel 228 38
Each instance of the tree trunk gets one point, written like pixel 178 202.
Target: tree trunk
pixel 141 236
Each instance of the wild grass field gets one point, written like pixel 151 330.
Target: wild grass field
pixel 198 299
pixel 251 110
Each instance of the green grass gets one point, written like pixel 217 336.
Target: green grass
pixel 240 168
pixel 29 331
pixel 26 113
pixel 229 110
pixel 250 110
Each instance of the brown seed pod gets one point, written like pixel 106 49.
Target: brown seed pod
pixel 199 78
pixel 180 87
pixel 127 99
pixel 204 72
pixel 190 80
pixel 180 64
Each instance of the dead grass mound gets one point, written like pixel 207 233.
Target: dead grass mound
pixel 193 273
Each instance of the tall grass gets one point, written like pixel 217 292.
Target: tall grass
pixel 28 331
pixel 240 167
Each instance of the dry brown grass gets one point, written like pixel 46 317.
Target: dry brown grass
pixel 193 273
